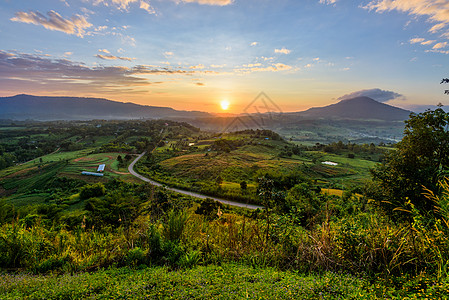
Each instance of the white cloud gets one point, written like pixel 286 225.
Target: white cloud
pixel 76 25
pixel 440 45
pixel 218 66
pixel 254 44
pixel 252 65
pixel 251 68
pixel 113 57
pixel 197 67
pixel 168 53
pixel 146 6
pixel 376 94
pixel 282 51
pixel 104 51
pixel 282 67
pixel 417 40
pixel 328 1
pixel 421 41
pixel 436 11
pixel 437 27
pixel 209 2
pixel 428 42
pixel 125 4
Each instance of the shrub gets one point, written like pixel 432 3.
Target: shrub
pixel 92 190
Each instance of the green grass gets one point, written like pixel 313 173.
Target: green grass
pixel 228 281
pixel 30 199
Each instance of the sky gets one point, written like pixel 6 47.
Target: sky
pixel 202 54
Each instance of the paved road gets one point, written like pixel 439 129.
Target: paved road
pixel 193 194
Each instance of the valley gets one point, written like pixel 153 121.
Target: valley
pixel 286 201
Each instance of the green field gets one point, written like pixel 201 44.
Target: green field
pixel 245 158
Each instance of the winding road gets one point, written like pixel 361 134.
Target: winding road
pixel 188 193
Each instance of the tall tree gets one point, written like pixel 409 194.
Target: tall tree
pixel 418 162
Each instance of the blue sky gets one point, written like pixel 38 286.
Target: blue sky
pixel 193 54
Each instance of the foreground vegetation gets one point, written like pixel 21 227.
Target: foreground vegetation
pixel 226 281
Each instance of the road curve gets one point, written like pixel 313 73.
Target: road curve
pixel 193 194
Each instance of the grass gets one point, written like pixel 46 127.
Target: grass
pixel 228 281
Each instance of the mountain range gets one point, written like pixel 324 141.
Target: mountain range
pixel 22 107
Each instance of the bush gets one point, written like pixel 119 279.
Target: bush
pixel 209 209
pixel 92 190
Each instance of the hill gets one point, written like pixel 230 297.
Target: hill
pixel 357 108
pixel 22 107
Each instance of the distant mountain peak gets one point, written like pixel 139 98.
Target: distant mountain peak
pixel 358 108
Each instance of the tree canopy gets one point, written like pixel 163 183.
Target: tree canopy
pixel 419 161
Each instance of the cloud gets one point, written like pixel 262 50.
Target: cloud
pixel 440 45
pixel 416 40
pixel 199 67
pixel 104 51
pixel 251 68
pixel 376 94
pixel 209 2
pixel 254 44
pixel 113 57
pixel 199 84
pixel 168 53
pixel 33 72
pixel 327 2
pixel 428 42
pixel 421 41
pixel 437 27
pixel 436 11
pixel 76 25
pixel 146 6
pixel 124 4
pixel 252 65
pixel 282 51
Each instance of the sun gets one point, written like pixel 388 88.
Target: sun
pixel 224 104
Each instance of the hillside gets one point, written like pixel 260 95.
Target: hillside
pixel 357 108
pixel 22 107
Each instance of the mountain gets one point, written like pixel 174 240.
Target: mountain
pixel 363 108
pixel 22 107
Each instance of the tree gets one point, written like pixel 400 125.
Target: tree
pixel 243 185
pixel 419 161
pixel 445 80
pixel 219 180
pixel 92 190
